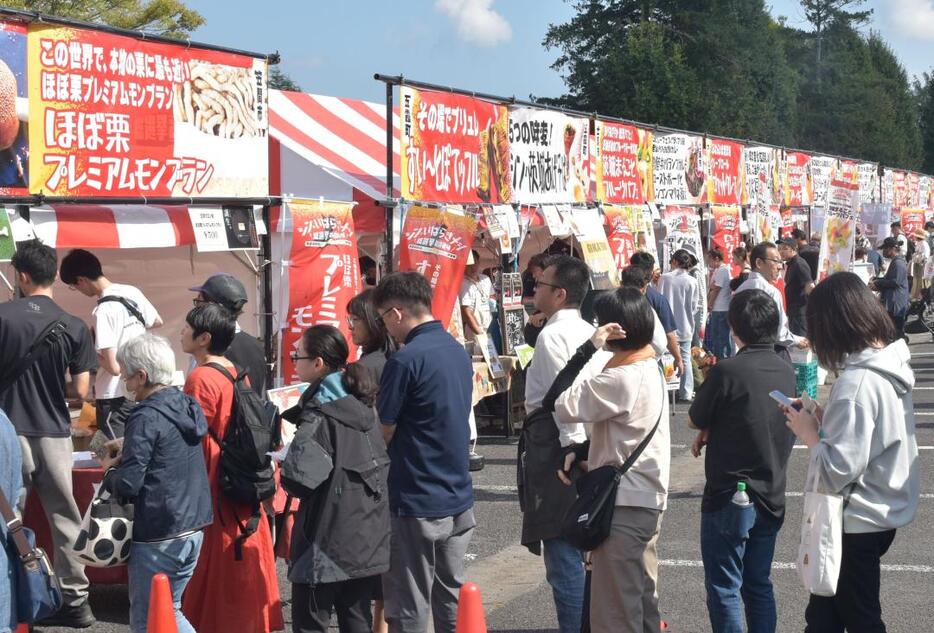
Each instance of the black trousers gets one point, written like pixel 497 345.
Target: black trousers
pixel 856 606
pixel 312 606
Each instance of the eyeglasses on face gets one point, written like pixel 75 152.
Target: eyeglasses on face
pixel 382 315
pixel 545 283
pixel 296 357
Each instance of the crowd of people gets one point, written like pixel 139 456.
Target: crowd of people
pixel 381 457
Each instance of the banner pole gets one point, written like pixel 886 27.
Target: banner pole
pixel 387 264
pixel 266 262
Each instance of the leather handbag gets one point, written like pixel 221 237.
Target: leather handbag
pixel 36 591
pixel 588 521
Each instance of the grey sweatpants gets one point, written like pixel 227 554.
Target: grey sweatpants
pixel 47 465
pixel 426 572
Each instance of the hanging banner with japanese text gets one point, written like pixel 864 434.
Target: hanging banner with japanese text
pixel 550 156
pixel 643 229
pixel 913 185
pixel 682 230
pixel 912 220
pixel 797 179
pixel 119 116
pixel 623 163
pixel 454 148
pixel 724 229
pixel 763 185
pixel 678 169
pixel 436 243
pixel 821 168
pixel 895 188
pixel 839 233
pixel 769 224
pixel 924 192
pixel 725 172
pixel 620 234
pixel 788 222
pixel 323 272
pixel 588 229
pixel 868 183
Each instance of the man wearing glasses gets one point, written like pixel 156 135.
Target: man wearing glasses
pixel 767 265
pixel 246 352
pixel 559 292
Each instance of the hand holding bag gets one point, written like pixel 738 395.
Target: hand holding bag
pixel 106 532
pixel 820 551
pixel 36 591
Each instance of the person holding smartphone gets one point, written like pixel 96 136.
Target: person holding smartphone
pixel 862 443
pixel 747 442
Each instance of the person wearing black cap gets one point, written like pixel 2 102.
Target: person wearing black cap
pixel 798 285
pixel 246 352
pixel 894 286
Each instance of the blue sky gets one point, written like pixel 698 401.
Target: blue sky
pixel 333 47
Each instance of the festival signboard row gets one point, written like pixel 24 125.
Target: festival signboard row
pixel 89 113
pixel 458 149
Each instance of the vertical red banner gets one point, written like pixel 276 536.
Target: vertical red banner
pixel 435 243
pixel 797 179
pixel 788 222
pixel 912 220
pixel 620 234
pixel 725 229
pixel 324 273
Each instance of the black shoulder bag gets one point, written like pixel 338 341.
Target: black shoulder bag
pixel 588 521
pixel 52 331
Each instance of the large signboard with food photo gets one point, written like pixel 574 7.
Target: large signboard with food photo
pixel 112 115
pixel 550 156
pixel 679 169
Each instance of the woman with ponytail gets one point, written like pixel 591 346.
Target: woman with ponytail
pixel 337 466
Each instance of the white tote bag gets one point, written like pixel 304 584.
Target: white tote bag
pixel 821 548
pixel 106 532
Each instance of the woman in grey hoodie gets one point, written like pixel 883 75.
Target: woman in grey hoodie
pixel 862 443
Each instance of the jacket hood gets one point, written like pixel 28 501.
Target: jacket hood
pixel 891 362
pixel 179 409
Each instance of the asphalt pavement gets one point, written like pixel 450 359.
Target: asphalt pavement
pixel 517 598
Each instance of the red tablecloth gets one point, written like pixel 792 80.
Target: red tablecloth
pixel 83 480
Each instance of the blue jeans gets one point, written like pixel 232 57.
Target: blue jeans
pixel 687 378
pixel 176 558
pixel 720 344
pixel 564 570
pixel 737 546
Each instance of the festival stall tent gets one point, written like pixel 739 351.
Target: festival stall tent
pixel 150 247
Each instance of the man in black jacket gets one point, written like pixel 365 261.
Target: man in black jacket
pixel 894 286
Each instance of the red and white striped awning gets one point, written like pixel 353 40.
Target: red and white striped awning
pixel 105 226
pixel 345 137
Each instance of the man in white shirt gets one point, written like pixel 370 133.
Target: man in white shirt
pixel 683 293
pixel 766 266
pixel 474 295
pixel 559 292
pixel 122 313
pixel 718 298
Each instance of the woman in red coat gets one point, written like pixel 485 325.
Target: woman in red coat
pixel 225 594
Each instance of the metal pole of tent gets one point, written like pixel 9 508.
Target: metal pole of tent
pixel 266 263
pixel 387 264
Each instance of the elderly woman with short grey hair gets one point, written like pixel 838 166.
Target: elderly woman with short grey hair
pixel 161 469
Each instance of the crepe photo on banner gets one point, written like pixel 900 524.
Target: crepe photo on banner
pixel 623 159
pixel 455 148
pixel 839 232
pixel 682 230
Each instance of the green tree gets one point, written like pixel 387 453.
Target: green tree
pixel 924 96
pixel 278 80
pixel 822 13
pixel 170 18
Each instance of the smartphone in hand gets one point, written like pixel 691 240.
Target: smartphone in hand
pixel 784 400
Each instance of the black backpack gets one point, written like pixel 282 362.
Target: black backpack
pixel 246 474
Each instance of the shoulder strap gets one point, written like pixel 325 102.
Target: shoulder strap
pixel 129 304
pixel 15 527
pixel 222 370
pixel 36 350
pixel 648 438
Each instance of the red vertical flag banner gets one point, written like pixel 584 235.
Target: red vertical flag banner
pixel 435 243
pixel 725 172
pixel 620 233
pixel 912 220
pixel 788 222
pixel 324 272
pixel 797 179
pixel 725 229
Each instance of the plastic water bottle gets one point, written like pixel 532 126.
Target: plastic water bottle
pixel 740 497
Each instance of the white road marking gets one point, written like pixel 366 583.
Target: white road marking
pixel 920 569
pixel 514 489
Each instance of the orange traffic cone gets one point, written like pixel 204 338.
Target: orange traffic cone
pixel 470 618
pixel 161 612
